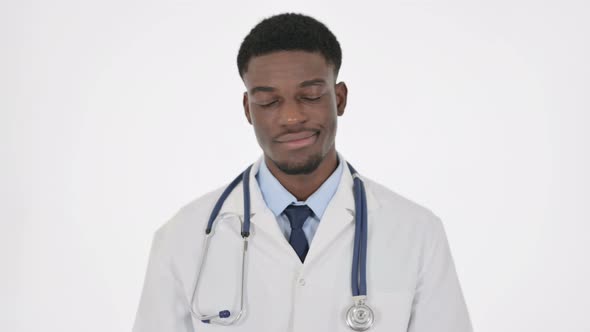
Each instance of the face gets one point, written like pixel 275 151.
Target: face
pixel 293 103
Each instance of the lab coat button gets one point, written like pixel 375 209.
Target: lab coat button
pixel 301 282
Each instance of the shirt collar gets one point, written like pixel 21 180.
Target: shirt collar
pixel 277 198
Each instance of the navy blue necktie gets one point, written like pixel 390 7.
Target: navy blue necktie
pixel 297 215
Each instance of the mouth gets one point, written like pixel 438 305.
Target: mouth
pixel 298 140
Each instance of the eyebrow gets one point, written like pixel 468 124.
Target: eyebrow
pixel 316 81
pixel 261 89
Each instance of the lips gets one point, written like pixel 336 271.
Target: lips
pixel 298 140
pixel 295 136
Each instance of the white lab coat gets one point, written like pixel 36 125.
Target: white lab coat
pixel 412 284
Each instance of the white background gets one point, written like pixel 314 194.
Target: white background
pixel 114 114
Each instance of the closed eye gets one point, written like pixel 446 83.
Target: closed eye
pixel 311 98
pixel 267 104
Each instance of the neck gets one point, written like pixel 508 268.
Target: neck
pixel 303 185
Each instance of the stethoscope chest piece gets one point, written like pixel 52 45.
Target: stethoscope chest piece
pixel 360 316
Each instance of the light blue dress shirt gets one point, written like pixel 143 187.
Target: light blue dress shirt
pixel 277 198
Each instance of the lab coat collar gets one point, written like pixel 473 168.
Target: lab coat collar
pixel 338 215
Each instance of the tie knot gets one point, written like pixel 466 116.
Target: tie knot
pixel 297 215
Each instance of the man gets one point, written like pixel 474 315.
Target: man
pixel 297 275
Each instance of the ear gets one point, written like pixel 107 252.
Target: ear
pixel 246 107
pixel 341 96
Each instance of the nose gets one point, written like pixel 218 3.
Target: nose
pixel 292 113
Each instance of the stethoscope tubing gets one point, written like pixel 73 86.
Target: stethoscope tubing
pixel 359 258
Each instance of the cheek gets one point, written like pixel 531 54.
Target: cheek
pixel 329 124
pixel 330 119
pixel 261 128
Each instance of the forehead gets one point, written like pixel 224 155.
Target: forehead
pixel 284 67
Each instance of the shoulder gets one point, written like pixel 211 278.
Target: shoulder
pixel 417 231
pixel 401 210
pixel 189 219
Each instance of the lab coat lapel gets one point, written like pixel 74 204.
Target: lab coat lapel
pixel 338 216
pixel 263 221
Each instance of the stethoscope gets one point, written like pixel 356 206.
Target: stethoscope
pixel 359 317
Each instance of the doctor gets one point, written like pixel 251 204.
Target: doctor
pixel 294 270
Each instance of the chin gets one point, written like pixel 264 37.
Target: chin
pixel 296 167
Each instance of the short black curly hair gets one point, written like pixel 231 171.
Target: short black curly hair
pixel 287 32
